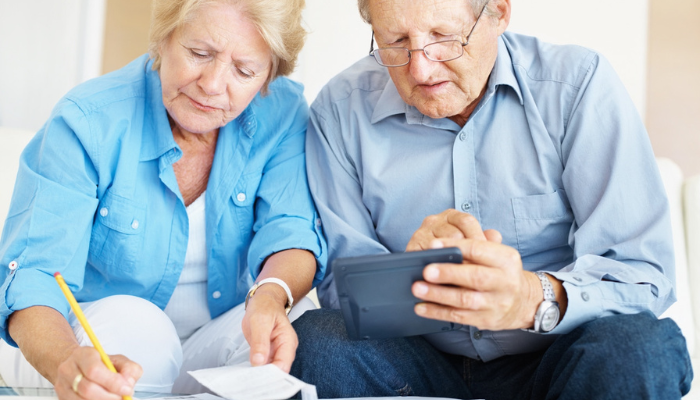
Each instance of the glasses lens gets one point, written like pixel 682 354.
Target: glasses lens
pixel 444 51
pixel 391 57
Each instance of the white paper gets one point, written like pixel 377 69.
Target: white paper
pixel 244 382
pixel 203 396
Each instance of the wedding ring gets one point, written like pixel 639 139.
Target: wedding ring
pixel 76 382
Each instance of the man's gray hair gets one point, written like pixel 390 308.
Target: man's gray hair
pixel 477 5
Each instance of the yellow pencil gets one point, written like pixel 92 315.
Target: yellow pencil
pixel 83 321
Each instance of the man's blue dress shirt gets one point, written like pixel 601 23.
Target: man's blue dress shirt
pixel 96 198
pixel 555 157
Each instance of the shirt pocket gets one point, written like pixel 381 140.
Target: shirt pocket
pixel 542 226
pixel 117 234
pixel 243 197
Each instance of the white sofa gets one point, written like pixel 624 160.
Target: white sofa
pixel 683 194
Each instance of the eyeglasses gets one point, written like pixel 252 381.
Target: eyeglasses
pixel 445 50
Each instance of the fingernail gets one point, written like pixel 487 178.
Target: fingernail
pixel 436 244
pixel 126 391
pixel 131 381
pixel 420 309
pixel 420 288
pixel 258 359
pixel 431 272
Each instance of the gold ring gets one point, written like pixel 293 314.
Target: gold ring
pixel 76 382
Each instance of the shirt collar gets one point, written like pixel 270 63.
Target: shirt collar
pixel 502 73
pixel 157 138
pixel 390 102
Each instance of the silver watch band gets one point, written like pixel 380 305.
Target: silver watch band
pixel 547 288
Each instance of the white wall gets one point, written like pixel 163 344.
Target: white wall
pixel 43 54
pixel 617 29
pixel 46 48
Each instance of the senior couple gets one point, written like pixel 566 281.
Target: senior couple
pixel 172 195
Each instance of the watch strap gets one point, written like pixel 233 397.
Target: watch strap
pixel 280 282
pixel 547 288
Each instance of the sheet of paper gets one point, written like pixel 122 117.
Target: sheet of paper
pixel 244 382
pixel 204 396
pixel 28 397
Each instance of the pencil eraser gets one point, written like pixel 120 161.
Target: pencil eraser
pixel 56 274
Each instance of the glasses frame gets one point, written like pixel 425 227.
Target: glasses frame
pixel 374 53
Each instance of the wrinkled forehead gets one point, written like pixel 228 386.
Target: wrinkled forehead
pixel 400 16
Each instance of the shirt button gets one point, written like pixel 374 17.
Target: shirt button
pixel 578 278
pixel 104 211
pixel 241 197
pixel 466 206
pixel 318 221
pixel 12 265
pixel 462 136
pixel 135 224
pixel 478 335
pixel 216 294
pixel 584 296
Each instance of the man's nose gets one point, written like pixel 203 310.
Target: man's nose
pixel 213 78
pixel 420 67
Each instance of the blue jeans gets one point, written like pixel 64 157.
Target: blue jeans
pixel 618 357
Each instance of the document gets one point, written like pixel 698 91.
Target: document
pixel 244 382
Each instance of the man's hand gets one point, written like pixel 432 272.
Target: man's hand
pixel 449 224
pixel 268 330
pixel 489 290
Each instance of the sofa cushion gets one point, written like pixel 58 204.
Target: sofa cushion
pixel 681 311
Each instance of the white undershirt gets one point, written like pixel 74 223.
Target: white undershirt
pixel 188 308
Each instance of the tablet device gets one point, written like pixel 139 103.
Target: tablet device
pixel 375 293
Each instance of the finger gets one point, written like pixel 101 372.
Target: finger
pixel 493 235
pixel 451 296
pixel 87 389
pixel 285 348
pixel 467 224
pixel 99 381
pixel 470 276
pixel 259 340
pixel 443 313
pixel 484 252
pixel 130 370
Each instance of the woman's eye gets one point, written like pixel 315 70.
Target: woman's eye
pixel 245 73
pixel 198 53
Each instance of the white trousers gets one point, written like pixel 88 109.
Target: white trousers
pixel 142 332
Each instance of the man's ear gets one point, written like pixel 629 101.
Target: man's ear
pixel 503 9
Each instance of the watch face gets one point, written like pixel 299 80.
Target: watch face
pixel 550 318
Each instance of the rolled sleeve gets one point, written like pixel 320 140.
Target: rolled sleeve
pixel 55 184
pixel 285 216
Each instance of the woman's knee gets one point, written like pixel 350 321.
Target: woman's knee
pixel 139 330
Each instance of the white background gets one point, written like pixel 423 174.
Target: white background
pixel 49 46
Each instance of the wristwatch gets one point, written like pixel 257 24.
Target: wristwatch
pixel 547 315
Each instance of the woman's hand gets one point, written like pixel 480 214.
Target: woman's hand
pixel 268 330
pixel 83 375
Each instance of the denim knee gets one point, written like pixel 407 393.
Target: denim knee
pixel 632 353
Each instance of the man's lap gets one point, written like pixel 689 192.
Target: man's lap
pixel 621 355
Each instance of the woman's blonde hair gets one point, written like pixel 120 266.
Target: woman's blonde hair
pixel 278 21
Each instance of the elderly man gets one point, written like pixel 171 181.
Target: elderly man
pixel 533 160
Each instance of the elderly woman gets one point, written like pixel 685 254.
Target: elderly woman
pixel 161 192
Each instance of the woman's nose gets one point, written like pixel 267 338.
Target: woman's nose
pixel 213 78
